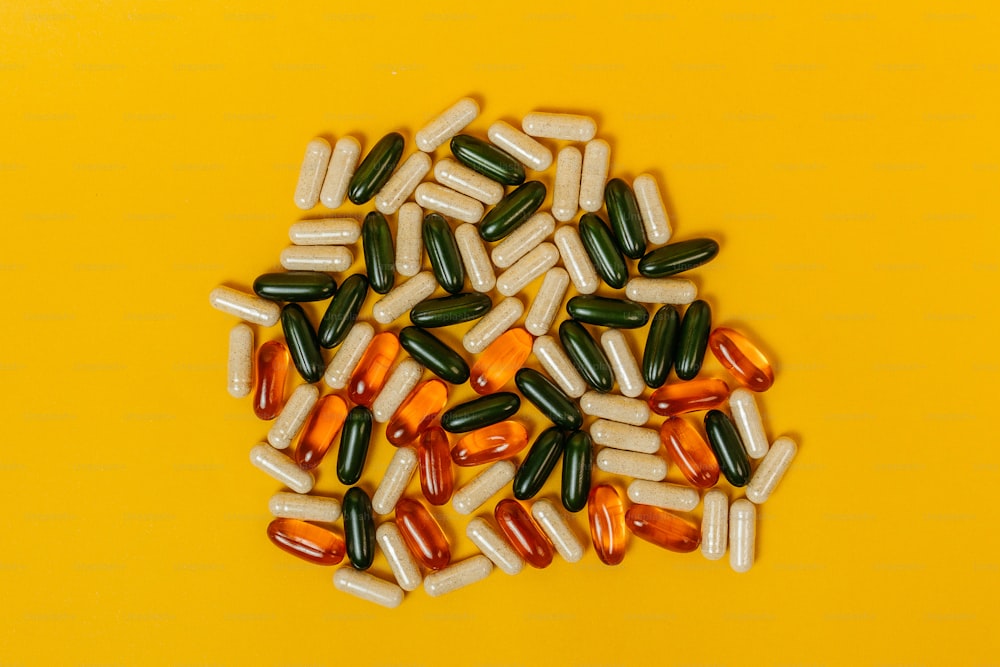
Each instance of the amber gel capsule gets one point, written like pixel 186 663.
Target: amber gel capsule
pixel 310 543
pixel 500 361
pixel 437 479
pixel 607 524
pixel 492 443
pixel 689 452
pixel 417 412
pixel 324 423
pixel 422 534
pixel 372 370
pixel 678 398
pixel 523 533
pixel 272 370
pixel 662 528
pixel 741 358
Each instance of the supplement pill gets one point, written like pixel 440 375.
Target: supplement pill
pixel 771 469
pixel 331 259
pixel 527 269
pixel 328 231
pixel 577 461
pixel 312 544
pixel 681 397
pixel 623 363
pixel 586 355
pixel 339 370
pixel 404 568
pixel 494 546
pixel 409 240
pixel 616 408
pixel 376 168
pixel 272 370
pixel 293 416
pixel 626 223
pixel 498 363
pixel 566 191
pixel 477 263
pixel 742 534
pixel 528 151
pixel 609 433
pixel 312 172
pixel 600 245
pixel 422 534
pixel 662 528
pixel 402 183
pixel 303 343
pixel 343 311
pixel 575 259
pixel 539 463
pixel 678 291
pixel 661 494
pixel 548 299
pixel 371 372
pixel 488 160
pixel 493 325
pixel 549 399
pixel 447 124
pixel 714 525
pixel 552 522
pixel 343 162
pixel 596 159
pixel 458 575
pixel 513 211
pixel 661 342
pixel 295 286
pixel 286 505
pixel 437 480
pixel 354 443
pixel 448 202
pixel 741 358
pixel 245 306
pixel 448 310
pixel 404 297
pixel 398 385
pixel 568 127
pixel 692 340
pixel 523 240
pixel 654 214
pixel 429 350
pixel 558 366
pixel 269 460
pixel 420 408
pixel 394 481
pixel 607 312
pixel 380 261
pixel 481 412
pixel 368 587
pixel 607 524
pixel 677 257
pixel 461 179
pixel 689 452
pixel 632 464
pixel 482 487
pixel 325 422
pixel 239 368
pixel 728 448
pixel 491 443
pixel 523 533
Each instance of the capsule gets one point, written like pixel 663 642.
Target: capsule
pixel 626 222
pixel 403 298
pixel 630 438
pixel 742 534
pixel 548 299
pixel 523 533
pixel 728 448
pixel 354 443
pixel 448 202
pixel 500 361
pixel 527 151
pixel 552 522
pixel 442 249
pixel 596 160
pixel 566 191
pixel 303 344
pixel 574 258
pixel 468 182
pixel 523 240
pixel 331 259
pixel 474 258
pixel 541 460
pixel 604 254
pixel 359 528
pixel 607 524
pixel 376 243
pixel 328 231
pixel 488 160
pixel 675 258
pixel 446 124
pixel 662 528
pixel 742 359
pixel 371 372
pixel 417 412
pixel 458 575
pixel 448 310
pixel 437 480
pixel 678 291
pixel 496 548
pixel 295 286
pixel 549 399
pixel 325 422
pixel 577 461
pixel 568 127
pixel 558 366
pixel 661 494
pixel 343 311
pixel 280 467
pixel 272 370
pixel 692 339
pixel 286 505
pixel 239 368
pixel 434 354
pixel 607 312
pixel 312 172
pixel 512 211
pixel 376 168
pixel 481 412
pixel 714 525
pixel 632 464
pixel 339 370
pixel 404 567
pixel 245 306
pixel 368 587
pixel 343 162
pixel 402 183
pixel 398 385
pixel 482 487
pixel 661 342
pixel 689 452
pixel 394 481
pixel 654 214
pixel 490 443
pixel 586 355
pixel 422 534
pixel 293 416
pixel 493 325
pixel 705 394
pixel 771 469
pixel 313 544
pixel 409 239
pixel 623 363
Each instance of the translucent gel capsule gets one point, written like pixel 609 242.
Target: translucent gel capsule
pixel 654 214
pixel 348 355
pixel 293 416
pixel 607 524
pixel 249 307
pixel 449 203
pixel 286 505
pixel 409 240
pixel 422 534
pixel 398 385
pixel 310 543
pixel 526 269
pixel 402 183
pixel 681 397
pixel 437 480
pixel 771 469
pixel 576 260
pixel 492 325
pixel 568 127
pixel 631 464
pixel 558 365
pixel 497 364
pixel 368 587
pixel 748 422
pixel 566 191
pixel 483 486
pixel 446 124
pixel 616 408
pixel 714 525
pixel 742 534
pixel 477 263
pixel 494 546
pixel 344 160
pixel 661 494
pixel 491 443
pixel 553 523
pixel 404 297
pixel 468 182
pixel 523 240
pixel 239 368
pixel 417 412
pixel 596 159
pixel 327 258
pixel 458 575
pixel 630 438
pixel 741 358
pixel 324 424
pixel 280 467
pixel 331 231
pixel 547 302
pixel 523 533
pixel 372 370
pixel 404 567
pixel 689 452
pixel 623 363
pixel 526 150
pixel 662 528
pixel 312 172
pixel 661 290
pixel 394 481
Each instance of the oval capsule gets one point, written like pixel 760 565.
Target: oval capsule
pixel 771 469
pixel 678 291
pixel 578 458
pixel 586 355
pixel 368 587
pixel 681 397
pixel 434 354
pixel 409 240
pixel 448 310
pixel 376 169
pixel 295 286
pixel 269 387
pixel 746 415
pixel 329 259
pixel 325 232
pixel 549 399
pixel 631 464
pixel 474 258
pixel 480 412
pixel 446 124
pixel 380 260
pixel 616 408
pixel 661 494
pixel 500 361
pixel 325 422
pixel 496 548
pixel 651 208
pixel 482 487
pixel 626 222
pixel 343 311
pixel 574 258
pixel 559 367
pixel 658 355
pixel 371 372
pixel 541 460
pixel 284 505
pixel 303 344
pixel 310 543
pixel 527 269
pixel 448 202
pixel 493 325
pixel 245 306
pixel 312 172
pixel 523 533
pixel 346 359
pixel 603 251
pixel 607 312
pixel 458 575
pixel 404 297
pixel 468 182
pixel 692 340
pixel 523 240
pixel 401 381
pixel 402 183
pixel 552 522
pixel 742 534
pixel 625 436
pixel 512 211
pixel 488 160
pixel 662 528
pixel 742 359
pixel 417 412
pixel 422 534
pixel 404 567
pixel 354 442
pixel 545 305
pixel 528 152
pixel 689 452
pixel 343 162
pixel 728 448
pixel 437 480
pixel 442 249
pixel 395 480
pixel 281 468
pixel 565 126
pixel 490 443
pixel 714 524
pixel 359 528
pixel 675 258
pixel 607 524
pixel 566 191
pixel 596 160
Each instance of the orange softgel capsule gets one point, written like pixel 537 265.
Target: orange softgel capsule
pixel 371 372
pixel 272 369
pixel 324 424
pixel 741 358
pixel 681 397
pixel 523 533
pixel 663 528
pixel 422 534
pixel 491 443
pixel 690 452
pixel 417 412
pixel 607 524
pixel 500 361
pixel 308 542
pixel 437 479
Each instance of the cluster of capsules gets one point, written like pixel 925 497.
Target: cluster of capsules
pixel 370 386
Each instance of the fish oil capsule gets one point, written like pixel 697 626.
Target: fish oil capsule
pixel 596 159
pixel 496 548
pixel 632 464
pixel 623 363
pixel 409 240
pixel 239 368
pixel 343 311
pixel 394 481
pixel 312 172
pixel 550 519
pixel 523 240
pixel 728 448
pixel 741 358
pixel 607 524
pixel 577 462
pixel 482 487
pixel 448 202
pixel 689 452
pixel 714 525
pixel 566 191
pixel 312 544
pixel 661 342
pixel 347 357
pixel 468 182
pixel 417 412
pixel 575 259
pixel 293 416
pixel 558 366
pixel 545 306
pixel 500 361
pixel 677 257
pixel 371 372
pixel 488 160
pixel 245 306
pixel 295 286
pixel 397 387
pixel 452 309
pixel 442 250
pixel 603 250
pixel 343 162
pixel 513 211
pixel 480 412
pixel 331 259
pixel 404 568
pixel 437 479
pixel 376 168
pixel 692 340
pixel 376 244
pixel 526 269
pixel 677 291
pixel 742 534
pixel 439 359
pixel 422 534
pixel 272 370
pixel 303 343
pixel 623 212
pixel 606 311
pixel 523 533
pixel 661 494
pixel 771 469
pixel 328 231
pixel 458 575
pixel 324 423
pixel 624 436
pixel 354 443
pixel 616 408
pixel 269 460
pixel 654 214
pixel 549 399
pixel 286 505
pixel 490 443
pixel 447 124
pixel 545 452
pixel 474 257
pixel 404 297
pixel 402 183
pixel 705 394
pixel 568 127
pixel 743 405
pixel 662 528
pixel 368 587
pixel 493 325
pixel 586 355
pixel 528 152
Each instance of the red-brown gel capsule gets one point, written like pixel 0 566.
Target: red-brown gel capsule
pixel 498 363
pixel 422 534
pixel 417 412
pixel 689 452
pixel 324 424
pixel 607 524
pixel 371 372
pixel 663 528
pixel 269 388
pixel 681 397
pixel 523 533
pixel 437 479
pixel 308 542
pixel 741 358
pixel 490 443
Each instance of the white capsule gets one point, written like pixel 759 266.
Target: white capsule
pixel 249 307
pixel 494 546
pixel 368 587
pixel 661 290
pixel 526 269
pixel 394 481
pixel 293 416
pixel 482 487
pixel 404 567
pixel 344 160
pixel 742 534
pixel 239 369
pixel 558 365
pixel 458 575
pixel 565 126
pixel 280 467
pixel 596 159
pixel 402 183
pixel 771 469
pixel 545 306
pixel 474 258
pixel 328 231
pixel 446 124
pixel 623 363
pixel 339 370
pixel 576 260
pixel 654 214
pixel 331 258
pixel 616 408
pixel 525 149
pixel 553 523
pixel 566 190
pixel 608 433
pixel 449 203
pixel 632 464
pixel 492 325
pixel 409 239
pixel 397 387
pixel 304 508
pixel 661 494
pixel 312 172
pixel 743 405
pixel 714 524
pixel 458 177
pixel 523 240
pixel 402 298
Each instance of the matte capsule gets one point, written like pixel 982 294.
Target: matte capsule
pixel 404 567
pixel 286 505
pixel 312 544
pixel 239 367
pixel 293 416
pixel 607 524
pixel 742 359
pixel 651 208
pixel 448 202
pixel 409 239
pixel 371 372
pixel 631 464
pixel 675 258
pixel 500 361
pixel 303 343
pixel 586 355
pixel 661 290
pixel 692 340
pixel 493 325
pixel 376 168
pixel 458 575
pixel 626 222
pixel 395 479
pixel 523 240
pixel 549 399
pixel 474 258
pixel 681 397
pixel 483 486
pixel 245 306
pixel 771 469
pixel 402 183
pixel 439 359
pixel 728 448
pixel 541 460
pixel 548 299
pixel 662 528
pixel 380 262
pixel 609 433
pixel 566 191
pixel 603 251
pixel 742 534
pixel 448 310
pixel 280 467
pixel 346 359
pixel 552 522
pixel 574 258
pixel 596 160
pixel 558 365
pixel 661 494
pixel 422 534
pixel 437 480
pixel 523 533
pixel 368 587
pixel 343 311
pixel 442 249
pixel 607 312
pixel 512 211
pixel 527 151
pixel 446 124
pixel 325 422
pixel 490 443
pixel 578 458
pixel 714 524
pixel 461 179
pixel 616 408
pixel 359 528
pixel 324 232
pixel 403 298
pixel 272 371
pixel 295 286
pixel 415 415
pixel 494 546
pixel 565 126
pixel 354 442
pixel 343 162
pixel 488 160
pixel 330 258
pixel 481 412
pixel 661 341
pixel 689 452
pixel 312 172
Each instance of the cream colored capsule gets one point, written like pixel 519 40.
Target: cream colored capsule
pixel 616 408
pixel 312 172
pixel 576 260
pixel 566 190
pixel 771 469
pixel 661 290
pixel 331 258
pixel 623 363
pixel 552 521
pixel 526 269
pixel 458 575
pixel 449 203
pixel 239 369
pixel 293 416
pixel 249 307
pixel 525 149
pixel 409 239
pixel 368 587
pixel 524 239
pixel 404 567
pixel 596 160
pixel 328 231
pixel 743 405
pixel 305 508
pixel 402 183
pixel 714 524
pixel 344 160
pixel 558 365
pixel 474 257
pixel 565 126
pixel 446 124
pixel 654 214
pixel 339 370
pixel 661 494
pixel 548 299
pixel 404 297
pixel 460 178
pixel 397 387
pixel 492 325
pixel 394 481
pixel 482 487
pixel 494 546
pixel 742 534
pixel 608 433
pixel 282 468
pixel 632 464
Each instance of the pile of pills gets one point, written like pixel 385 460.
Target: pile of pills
pixel 480 224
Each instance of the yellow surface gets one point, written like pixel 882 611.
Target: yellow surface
pixel 844 154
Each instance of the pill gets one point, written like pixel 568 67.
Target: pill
pixel 409 240
pixel 480 412
pixel 293 416
pixel 601 247
pixel 305 508
pixel 547 302
pixel 437 480
pixel 704 394
pixel 529 152
pixel 493 325
pixel 477 263
pixel 328 231
pixel 422 534
pixel 373 369
pixel 714 524
pixel 625 436
pixel 442 250
pixel 482 487
pixel 742 359
pixel 566 191
pixel 468 182
pixel 558 366
pixel 376 168
pixel 662 528
pixel 742 534
pixel 332 259
pixel 654 214
pixel 402 183
pixel 575 259
pixel 323 425
pixel 339 370
pixel 523 240
pixel 607 311
pixel 689 452
pixel 458 575
pixel 404 567
pixel 568 127
pixel 368 587
pixel 397 387
pixel 494 546
pixel 404 297
pixel 692 340
pixel 552 522
pixel 354 444
pixel 607 524
pixel 677 257
pixel 616 408
pixel 771 469
pixel 448 202
pixel 312 172
pixel 586 355
pixel 452 309
pixel 417 412
pixel 661 290
pixel 578 458
pixel 397 476
pixel 303 343
pixel 269 388
pixel 343 310
pixel 239 368
pixel 447 124
pixel 312 544
pixel 488 160
pixel 596 159
pixel 661 342
pixel 623 363
pixel 295 286
pixel 380 260
pixel 433 353
pixel 632 464
pixel 526 269
pixel 661 494
pixel 727 447
pixel 541 460
pixel 513 211
pixel 343 162
pixel 245 306
pixel 549 399
pixel 626 222
pixel 280 467
pixel 501 359
pixel 523 533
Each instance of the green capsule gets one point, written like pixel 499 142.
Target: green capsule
pixel 692 340
pixel 512 211
pixel 376 168
pixel 607 312
pixel 437 357
pixel 354 440
pixel 549 399
pixel 359 528
pixel 487 159
pixel 380 259
pixel 343 310
pixel 447 310
pixel 728 447
pixel 439 240
pixel 541 460
pixel 577 460
pixel 676 258
pixel 586 355
pixel 302 342
pixel 481 412
pixel 603 251
pixel 658 356
pixel 623 211
pixel 295 286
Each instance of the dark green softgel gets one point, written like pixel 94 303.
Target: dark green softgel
pixel 623 211
pixel 675 258
pixel 539 464
pixel 481 412
pixel 487 159
pixel 693 340
pixel 343 311
pixel 354 440
pixel 577 460
pixel 295 286
pixel 607 312
pixel 359 528
pixel 380 258
pixel 658 356
pixel 603 251
pixel 728 447
pixel 437 357
pixel 447 310
pixel 549 399
pixel 302 343
pixel 442 249
pixel 376 168
pixel 512 211
pixel 586 355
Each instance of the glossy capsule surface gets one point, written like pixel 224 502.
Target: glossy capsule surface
pixel 512 211
pixel 343 311
pixel 324 232
pixel 661 341
pixel 468 182
pixel 600 245
pixel 681 397
pixel 295 286
pixel 575 260
pixel 550 400
pixel 359 528
pixel 345 360
pixel 746 416
pixel 586 355
pixel 692 340
pixel 477 264
pixel 728 448
pixel 376 168
pixel 269 388
pixel 623 363
pixel 434 354
pixel 446 201
pixel 527 151
pixel 458 575
pixel 689 452
pixel 552 522
pixel 492 443
pixel 662 528
pixel 343 162
pixel 368 587
pixel 442 250
pixel 741 358
pixel 523 533
pixel 329 259
pixel 437 479
pixel 293 416
pixel 594 174
pixel 303 344
pixel 409 239
pixel 607 524
pixel 481 412
pixel 578 459
pixel 607 311
pixel 675 258
pixel 565 126
pixel 493 325
pixel 285 505
pixel 404 566
pixel 488 160
pixel 404 297
pixel 282 468
pixel 714 524
pixel 380 258
pixel 401 381
pixel 417 412
pixel 742 534
pixel 372 370
pixel 247 307
pixel 541 460
pixel 500 361
pixel 446 311
pixel 494 546
pixel 422 534
pixel 402 183
pixel 566 191
pixel 324 423
pixel 354 443
pixel 626 222
pixel 310 543
pixel 654 213
pixel 524 239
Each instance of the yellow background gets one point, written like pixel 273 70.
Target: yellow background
pixel 846 156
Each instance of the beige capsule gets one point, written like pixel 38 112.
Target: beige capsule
pixel 654 214
pixel 746 415
pixel 281 467
pixel 482 487
pixel 343 162
pixel 742 534
pixel 239 369
pixel 632 464
pixel 661 494
pixel 558 365
pixel 249 307
pixel 446 124
pixel 474 258
pixel 328 231
pixel 330 258
pixel 616 408
pixel 397 387
pixel 526 150
pixel 460 178
pixel 293 416
pixel 397 476
pixel 312 172
pixel 449 203
pixel 714 524
pixel 609 433
pixel 304 508
pixel 494 546
pixel 402 183
pixel 576 260
pixel 368 587
pixel 596 160
pixel 661 290
pixel 339 370
pixel 771 469
pixel 566 190
pixel 409 239
pixel 404 567
pixel 565 126
pixel 623 363
pixel 458 575
pixel 524 239
pixel 492 325
pixel 404 297
pixel 547 302
pixel 526 269
pixel 553 523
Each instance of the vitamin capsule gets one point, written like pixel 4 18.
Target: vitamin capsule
pixel 276 464
pixel 689 452
pixel 574 258
pixel 376 242
pixel 402 183
pixel 474 258
pixel 463 180
pixel 448 202
pixel 269 389
pixel 409 239
pixel 313 544
pixel 482 487
pixel 442 249
pixel 552 522
pixel 490 443
pixel 586 355
pixel 623 363
pixel 332 259
pixel 343 311
pixel 488 160
pixel 577 460
pixel 493 325
pixel 616 408
pixel 607 312
pixel 303 344
pixel 404 297
pixel 714 525
pixel 625 436
pixel 324 423
pixel 417 412
pixel 607 524
pixel 404 568
pixel 448 310
pixel 497 364
pixel 675 258
pixel 548 299
pixel 295 286
pixel 395 480
pixel 742 534
pixel 496 548
pixel 662 528
pixel 661 341
pixel 343 162
pixel 523 533
pixel 376 168
pixel 728 448
pixel 676 399
pixel 434 354
pixel 359 528
pixel 632 464
pixel 692 339
pixel 600 245
pixel 566 191
pixel 549 399
pixel 239 368
pixel 328 231
pixel 371 372
pixel 286 505
pixel 558 366
pixel 626 223
pixel 771 469
pixel 437 480
pixel 568 127
pixel 400 383
pixel 596 159
pixel 523 240
pixel 446 124
pixel 527 269
pixel 528 151
pixel 481 412
pixel 512 211
pixel 354 443
pixel 368 587
pixel 654 214
pixel 312 172
pixel 245 306
pixel 661 290
pixel 539 463
pixel 422 534
pixel 458 575
pixel 293 416
pixel 661 494
pixel 339 370
pixel 741 358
